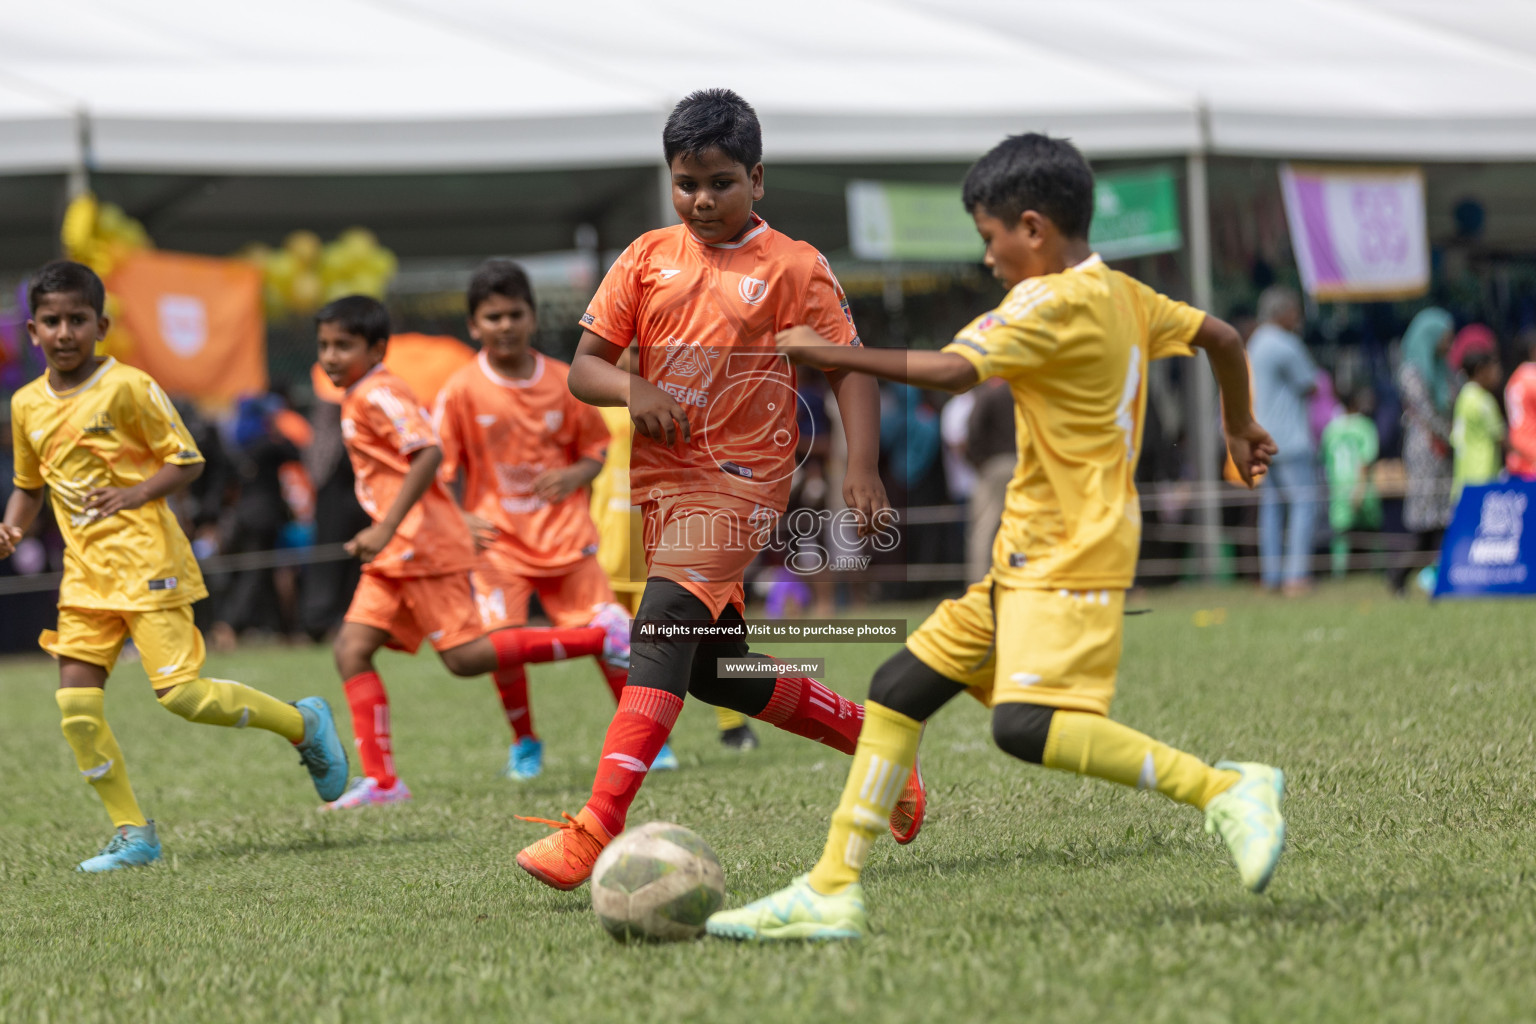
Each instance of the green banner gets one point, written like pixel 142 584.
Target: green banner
pixel 1135 213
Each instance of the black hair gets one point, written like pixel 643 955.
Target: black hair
pixel 66 276
pixel 499 277
pixel 714 119
pixel 1475 360
pixel 362 315
pixel 1033 172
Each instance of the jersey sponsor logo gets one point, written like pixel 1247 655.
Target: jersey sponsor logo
pixel 588 320
pixel 752 290
pixel 736 469
pixel 1016 561
pixel 553 419
pixel 187 453
pixel 685 359
pixel 697 397
pixel 1024 678
pixel 591 549
pixel 485 421
pixel 168 583
pixel 100 424
pixel 183 323
pixel 988 322
pixel 667 275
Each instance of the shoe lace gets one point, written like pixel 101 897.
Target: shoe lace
pixel 572 826
pixel 116 844
pixel 311 756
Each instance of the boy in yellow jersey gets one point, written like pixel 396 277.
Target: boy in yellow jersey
pixel 1038 640
pixel 105 440
pixel 620 547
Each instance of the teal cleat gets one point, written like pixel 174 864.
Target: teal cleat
pixel 321 750
pixel 665 761
pixel 797 912
pixel 1248 819
pixel 131 847
pixel 525 759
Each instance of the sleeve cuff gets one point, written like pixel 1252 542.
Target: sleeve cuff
pixel 974 354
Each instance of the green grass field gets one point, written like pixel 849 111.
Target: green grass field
pixel 1408 891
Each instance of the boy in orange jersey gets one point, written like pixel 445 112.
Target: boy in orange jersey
pixel 714 413
pixel 418 554
pixel 525 450
pixel 621 541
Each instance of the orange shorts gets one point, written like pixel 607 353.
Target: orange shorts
pixel 411 609
pixel 705 543
pixel 568 599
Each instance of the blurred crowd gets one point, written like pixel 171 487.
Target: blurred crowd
pixel 1371 466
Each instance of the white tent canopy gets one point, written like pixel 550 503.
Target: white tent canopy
pixel 1397 79
pixel 349 86
pixel 353 86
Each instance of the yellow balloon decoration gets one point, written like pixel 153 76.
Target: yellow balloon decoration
pixel 102 236
pixel 305 272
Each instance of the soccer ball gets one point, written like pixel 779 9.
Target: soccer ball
pixel 658 881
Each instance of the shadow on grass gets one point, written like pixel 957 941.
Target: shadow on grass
pixel 318 844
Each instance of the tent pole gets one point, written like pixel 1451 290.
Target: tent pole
pixel 1201 428
pixel 78 182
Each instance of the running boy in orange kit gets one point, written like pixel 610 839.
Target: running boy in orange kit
pixel 526 451
pixel 714 412
pixel 418 553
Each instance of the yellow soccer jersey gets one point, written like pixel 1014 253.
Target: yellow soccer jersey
pixel 619 548
pixel 115 430
pixel 1074 348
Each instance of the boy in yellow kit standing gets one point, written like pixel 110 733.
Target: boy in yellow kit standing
pixel 1038 640
pixel 106 441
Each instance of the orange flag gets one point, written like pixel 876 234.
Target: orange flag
pixel 194 322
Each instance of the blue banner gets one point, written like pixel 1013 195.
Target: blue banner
pixel 1490 548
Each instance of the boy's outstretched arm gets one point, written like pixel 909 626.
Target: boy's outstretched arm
pixel 20 512
pixel 1249 444
pixel 940 371
pixel 595 379
pixel 424 464
pixel 858 404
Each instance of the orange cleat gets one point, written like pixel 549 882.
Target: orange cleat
pixel 564 858
pixel 907 815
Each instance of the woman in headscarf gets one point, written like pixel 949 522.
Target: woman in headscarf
pixel 1425 389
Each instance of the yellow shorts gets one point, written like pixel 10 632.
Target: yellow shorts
pixel 170 646
pixel 1057 648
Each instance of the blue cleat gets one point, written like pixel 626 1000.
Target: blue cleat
pixel 321 750
pixel 133 846
pixel 525 759
pixel 666 761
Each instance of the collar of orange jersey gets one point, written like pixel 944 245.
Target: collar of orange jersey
pixel 375 368
pixel 511 382
pixel 756 228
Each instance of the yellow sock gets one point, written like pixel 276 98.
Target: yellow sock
pixel 881 763
pixel 729 719
pixel 225 702
pixel 1093 745
pixel 97 753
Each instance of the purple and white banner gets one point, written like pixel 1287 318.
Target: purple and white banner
pixel 1358 232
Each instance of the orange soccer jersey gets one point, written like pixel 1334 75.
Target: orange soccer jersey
pixel 382 424
pixel 706 315
pixel 503 434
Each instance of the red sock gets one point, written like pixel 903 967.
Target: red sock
pixel 616 677
pixel 807 708
pixel 370 724
pixel 512 687
pixel 523 646
pixel 639 728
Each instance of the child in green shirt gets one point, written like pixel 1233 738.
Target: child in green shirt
pixel 1477 429
pixel 1349 447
